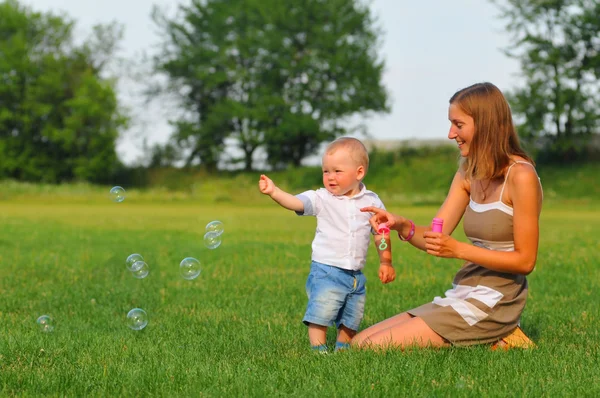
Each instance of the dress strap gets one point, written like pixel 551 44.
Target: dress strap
pixel 506 176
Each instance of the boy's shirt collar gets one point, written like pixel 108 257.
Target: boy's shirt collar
pixel 361 193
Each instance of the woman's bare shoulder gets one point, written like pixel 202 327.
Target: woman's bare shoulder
pixel 523 174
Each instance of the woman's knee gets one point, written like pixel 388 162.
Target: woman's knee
pixel 359 340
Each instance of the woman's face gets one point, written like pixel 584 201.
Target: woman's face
pixel 462 129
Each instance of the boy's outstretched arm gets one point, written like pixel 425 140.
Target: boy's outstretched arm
pixel 387 273
pixel 289 201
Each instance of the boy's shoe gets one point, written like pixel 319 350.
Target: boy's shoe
pixel 341 346
pixel 516 339
pixel 320 349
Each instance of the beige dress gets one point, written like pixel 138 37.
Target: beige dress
pixel 484 305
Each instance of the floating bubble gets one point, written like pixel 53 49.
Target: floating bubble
pixel 137 319
pixel 216 227
pixel 140 269
pixel 45 323
pixel 189 268
pixel 117 194
pixel 132 259
pixel 212 240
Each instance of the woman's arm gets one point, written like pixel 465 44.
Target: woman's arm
pixel 525 194
pixel 451 211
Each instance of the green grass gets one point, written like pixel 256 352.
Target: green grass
pixel 236 330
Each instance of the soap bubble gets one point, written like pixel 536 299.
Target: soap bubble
pixel 45 323
pixel 215 226
pixel 212 240
pixel 132 259
pixel 140 269
pixel 137 319
pixel 117 194
pixel 189 268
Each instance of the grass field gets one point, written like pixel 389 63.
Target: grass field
pixel 236 330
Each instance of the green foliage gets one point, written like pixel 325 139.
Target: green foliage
pixel 558 44
pixel 271 74
pixel 161 156
pixel 413 176
pixel 59 117
pixel 236 330
pixel 420 175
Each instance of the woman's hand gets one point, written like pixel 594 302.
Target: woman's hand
pixel 381 216
pixel 440 245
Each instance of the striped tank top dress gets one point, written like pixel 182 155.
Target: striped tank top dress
pixel 483 306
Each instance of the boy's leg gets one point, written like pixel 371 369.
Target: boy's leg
pixel 352 313
pixel 317 334
pixel 344 336
pixel 324 303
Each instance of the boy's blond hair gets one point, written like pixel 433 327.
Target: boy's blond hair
pixel 356 149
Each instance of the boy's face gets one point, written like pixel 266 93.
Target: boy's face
pixel 341 174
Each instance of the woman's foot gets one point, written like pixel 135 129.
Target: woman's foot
pixel 516 339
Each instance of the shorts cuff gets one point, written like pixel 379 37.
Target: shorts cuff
pixel 317 321
pixel 351 327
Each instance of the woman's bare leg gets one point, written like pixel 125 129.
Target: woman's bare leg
pixel 371 330
pixel 412 332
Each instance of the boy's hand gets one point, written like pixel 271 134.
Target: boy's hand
pixel 387 273
pixel 285 200
pixel 266 185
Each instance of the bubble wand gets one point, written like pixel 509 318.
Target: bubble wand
pixel 383 229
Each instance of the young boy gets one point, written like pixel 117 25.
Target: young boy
pixel 336 286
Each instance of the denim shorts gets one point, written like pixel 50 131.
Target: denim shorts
pixel 335 296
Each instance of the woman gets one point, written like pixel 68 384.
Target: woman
pixel 497 190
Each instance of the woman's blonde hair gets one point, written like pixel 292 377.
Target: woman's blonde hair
pixel 495 138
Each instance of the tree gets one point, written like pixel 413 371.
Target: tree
pixel 164 155
pixel 558 44
pixel 59 118
pixel 276 74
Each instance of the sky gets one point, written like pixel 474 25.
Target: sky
pixel 431 49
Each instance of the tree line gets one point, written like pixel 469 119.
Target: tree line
pixel 279 76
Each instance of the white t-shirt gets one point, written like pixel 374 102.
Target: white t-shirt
pixel 343 231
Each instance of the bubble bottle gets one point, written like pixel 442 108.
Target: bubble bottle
pixel 384 230
pixel 437 224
